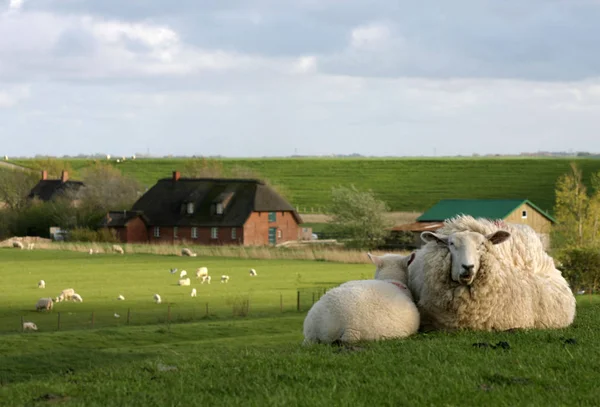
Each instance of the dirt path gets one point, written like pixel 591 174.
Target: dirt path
pixel 11 166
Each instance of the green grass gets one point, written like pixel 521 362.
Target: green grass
pixel 405 184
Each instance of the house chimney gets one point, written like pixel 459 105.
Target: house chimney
pixel 44 175
pixel 176 176
pixel 64 176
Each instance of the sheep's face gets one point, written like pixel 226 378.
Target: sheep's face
pixel 466 249
pixel 392 266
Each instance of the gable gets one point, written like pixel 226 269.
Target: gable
pixel 477 208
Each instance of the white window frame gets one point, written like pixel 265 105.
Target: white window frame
pixel 233 233
pixel 175 232
pixel 190 208
pixel 524 214
pixel 194 233
pixel 214 233
pixel 279 234
pixel 219 208
pixel 156 231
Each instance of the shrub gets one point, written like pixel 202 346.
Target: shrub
pixel 89 235
pixel 581 267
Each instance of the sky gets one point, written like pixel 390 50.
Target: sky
pixel 257 78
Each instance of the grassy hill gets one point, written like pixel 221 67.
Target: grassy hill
pixel 405 184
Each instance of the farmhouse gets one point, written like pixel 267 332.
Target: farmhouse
pixel 207 211
pixel 510 210
pixel 48 189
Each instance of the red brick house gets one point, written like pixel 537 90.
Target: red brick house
pixel 209 212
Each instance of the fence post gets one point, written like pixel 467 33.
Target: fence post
pixel 298 300
pixel 22 327
pixel 281 302
pixel 128 315
pixel 58 326
pixel 93 319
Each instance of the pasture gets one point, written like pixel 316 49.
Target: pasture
pixel 406 184
pixel 259 360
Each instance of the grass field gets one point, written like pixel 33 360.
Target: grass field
pixel 259 360
pixel 405 184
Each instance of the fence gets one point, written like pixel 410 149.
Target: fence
pixel 240 306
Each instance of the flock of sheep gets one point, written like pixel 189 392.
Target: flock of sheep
pixel 471 274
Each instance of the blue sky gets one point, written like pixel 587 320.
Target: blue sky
pixel 276 77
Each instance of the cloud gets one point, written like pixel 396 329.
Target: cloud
pixel 12 95
pixel 366 36
pixel 15 4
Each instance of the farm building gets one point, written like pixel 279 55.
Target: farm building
pixel 510 210
pixel 207 211
pixel 48 189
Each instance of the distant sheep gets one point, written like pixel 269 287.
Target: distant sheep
pixel 120 298
pixel 91 251
pixel 30 246
pixel 182 274
pixel 157 299
pixel 184 281
pixel 224 279
pixel 18 245
pixel 202 271
pixel 253 273
pixel 116 315
pixel 29 326
pixel 41 284
pixel 44 304
pixel 118 249
pixel 187 252
pixel 65 295
pixel 193 294
pixel 77 298
pixel 205 279
pixel 173 270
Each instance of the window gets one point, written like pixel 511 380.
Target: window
pixel 219 208
pixel 194 233
pixel 190 208
pixel 272 216
pixel 233 233
pixel 175 232
pixel 156 231
pixel 524 214
pixel 214 233
pixel 278 233
pixel 305 230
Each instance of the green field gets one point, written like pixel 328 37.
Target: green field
pixel 405 184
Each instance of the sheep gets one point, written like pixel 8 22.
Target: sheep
pixel 157 299
pixel 173 270
pixel 120 298
pixel 118 249
pixel 44 304
pixel 183 274
pixel 91 251
pixel 205 279
pixel 18 245
pixel 367 309
pixel 184 281
pixel 30 246
pixel 66 294
pixel 488 275
pixel 193 294
pixel 224 278
pixel 253 273
pixel 187 252
pixel 201 272
pixel 77 298
pixel 41 284
pixel 116 315
pixel 29 326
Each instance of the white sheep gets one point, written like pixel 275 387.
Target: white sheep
pixel 173 270
pixel 184 281
pixel 224 278
pixel 18 245
pixel 366 309
pixel 30 246
pixel 182 274
pixel 44 304
pixel 187 252
pixel 118 249
pixel 253 273
pixel 91 251
pixel 157 299
pixel 116 315
pixel 41 284
pixel 65 295
pixel 194 293
pixel 120 298
pixel 29 326
pixel 77 298
pixel 205 279
pixel 488 275
pixel 201 272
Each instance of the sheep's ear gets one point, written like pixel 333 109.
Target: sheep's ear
pixel 376 260
pixel 431 237
pixel 498 237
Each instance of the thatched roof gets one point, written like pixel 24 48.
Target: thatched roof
pixel 47 189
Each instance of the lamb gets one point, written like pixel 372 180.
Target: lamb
pixel 118 249
pixel 201 272
pixel 193 294
pixel 367 309
pixel 205 279
pixel 187 252
pixel 184 281
pixel 18 245
pixel 488 275
pixel 157 299
pixel 29 326
pixel 120 298
pixel 66 294
pixel 224 278
pixel 182 274
pixel 44 304
pixel 253 273
pixel 77 298
pixel 41 284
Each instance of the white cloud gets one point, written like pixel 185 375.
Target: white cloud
pixel 305 65
pixel 370 35
pixel 15 4
pixel 11 96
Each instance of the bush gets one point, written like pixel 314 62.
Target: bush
pixel 89 235
pixel 581 267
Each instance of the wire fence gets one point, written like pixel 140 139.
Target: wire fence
pixel 238 307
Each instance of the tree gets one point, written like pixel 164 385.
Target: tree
pixel 15 185
pixel 359 216
pixel 571 208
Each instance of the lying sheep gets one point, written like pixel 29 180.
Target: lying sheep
pixel 120 298
pixel 44 304
pixel 187 252
pixel 202 271
pixel 193 294
pixel 184 281
pixel 65 295
pixel 367 309
pixel 253 273
pixel 29 326
pixel 41 284
pixel 77 298
pixel 182 274
pixel 224 278
pixel 486 275
pixel 157 299
pixel 18 245
pixel 118 249
pixel 205 279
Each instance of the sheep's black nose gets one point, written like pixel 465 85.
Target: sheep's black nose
pixel 467 270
